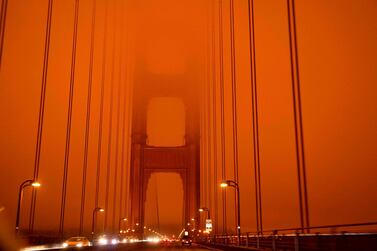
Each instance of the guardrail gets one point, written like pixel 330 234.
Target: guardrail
pixel 345 237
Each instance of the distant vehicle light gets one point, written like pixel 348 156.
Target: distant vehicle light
pixel 114 241
pixel 65 245
pixel 153 240
pixel 102 241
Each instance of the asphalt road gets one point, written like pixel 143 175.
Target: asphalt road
pixel 160 247
pixel 141 247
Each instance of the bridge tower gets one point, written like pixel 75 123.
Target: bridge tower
pixel 147 159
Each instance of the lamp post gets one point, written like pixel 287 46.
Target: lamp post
pixel 202 209
pixel 231 183
pixel 194 224
pixel 95 210
pixel 205 209
pixel 120 223
pixel 23 185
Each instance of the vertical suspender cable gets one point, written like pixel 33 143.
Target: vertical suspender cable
pixel 127 162
pixel 208 106
pixel 206 163
pixel 297 112
pixel 124 107
pixel 121 212
pixel 128 140
pixel 157 207
pixel 116 158
pixel 99 154
pixel 125 155
pixel 214 93
pixel 41 113
pixel 69 119
pixel 129 147
pixel 201 149
pixel 87 121
pixel 203 136
pixel 122 162
pixel 3 19
pixel 117 129
pixel 109 143
pixel 222 100
pixel 234 96
pixel 234 90
pixel 255 118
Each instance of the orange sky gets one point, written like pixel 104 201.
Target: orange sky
pixel 165 38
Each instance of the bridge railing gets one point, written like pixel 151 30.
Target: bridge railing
pixel 345 237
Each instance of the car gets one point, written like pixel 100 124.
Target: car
pixel 108 239
pixel 186 240
pixel 78 241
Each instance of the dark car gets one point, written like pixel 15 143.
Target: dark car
pixel 186 240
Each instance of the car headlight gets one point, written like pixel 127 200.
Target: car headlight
pixel 114 241
pixel 65 245
pixel 102 241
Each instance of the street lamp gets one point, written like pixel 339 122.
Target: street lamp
pixel 24 184
pixel 95 210
pixel 120 223
pixel 231 183
pixel 206 209
pixel 194 224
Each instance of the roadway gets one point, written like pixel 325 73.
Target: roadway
pixel 137 246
